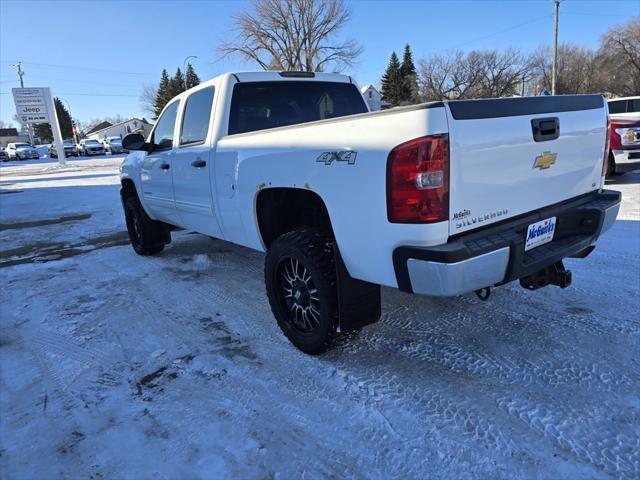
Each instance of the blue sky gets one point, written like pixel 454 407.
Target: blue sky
pixel 97 55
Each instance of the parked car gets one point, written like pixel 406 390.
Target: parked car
pixel 624 135
pixel 113 145
pixel 439 199
pixel 70 150
pixel 21 151
pixel 4 156
pixel 90 147
pixel 626 107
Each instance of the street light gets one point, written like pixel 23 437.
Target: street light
pixel 184 69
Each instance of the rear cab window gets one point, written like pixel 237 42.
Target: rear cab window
pixel 196 117
pixel 263 105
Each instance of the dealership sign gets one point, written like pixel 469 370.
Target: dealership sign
pixel 31 104
pixel 35 105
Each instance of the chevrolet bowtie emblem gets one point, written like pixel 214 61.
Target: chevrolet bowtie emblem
pixel 545 160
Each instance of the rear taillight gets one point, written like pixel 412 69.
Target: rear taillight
pixel 607 144
pixel 418 181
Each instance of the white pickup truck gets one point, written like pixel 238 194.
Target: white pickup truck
pixel 441 199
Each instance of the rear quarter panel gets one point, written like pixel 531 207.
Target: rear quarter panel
pixel 354 194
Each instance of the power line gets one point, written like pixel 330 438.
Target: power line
pixel 75 67
pixel 87 94
pixel 537 19
pixel 589 14
pixel 56 79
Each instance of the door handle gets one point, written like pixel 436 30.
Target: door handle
pixel 545 129
pixel 199 163
pixel 165 166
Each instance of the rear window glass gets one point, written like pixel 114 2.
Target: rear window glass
pixel 195 121
pixel 619 106
pixel 262 105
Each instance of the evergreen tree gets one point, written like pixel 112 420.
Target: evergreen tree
pixel 191 76
pixel 409 93
pixel 177 83
pixel 163 95
pixel 43 130
pixel 392 82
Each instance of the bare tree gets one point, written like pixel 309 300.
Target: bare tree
pixel 294 35
pixel 477 74
pixel 501 73
pixel 4 124
pixel 577 69
pixel 148 98
pixel 619 59
pixel 447 77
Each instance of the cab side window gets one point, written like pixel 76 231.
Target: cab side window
pixel 197 113
pixel 162 137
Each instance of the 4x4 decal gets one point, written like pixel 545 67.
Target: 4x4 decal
pixel 348 156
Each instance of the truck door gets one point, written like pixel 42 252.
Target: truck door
pixel 193 165
pixel 155 168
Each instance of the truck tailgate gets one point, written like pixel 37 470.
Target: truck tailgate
pixel 515 155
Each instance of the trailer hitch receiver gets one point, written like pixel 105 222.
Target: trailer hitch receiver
pixel 552 275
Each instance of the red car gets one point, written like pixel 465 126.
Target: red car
pixel 624 135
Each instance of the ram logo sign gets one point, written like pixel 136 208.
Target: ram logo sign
pixel 348 156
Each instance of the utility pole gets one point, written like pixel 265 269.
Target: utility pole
pixel 21 75
pixel 554 72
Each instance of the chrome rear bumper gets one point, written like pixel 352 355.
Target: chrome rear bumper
pixel 495 255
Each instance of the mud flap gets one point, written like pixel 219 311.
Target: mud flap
pixel 358 301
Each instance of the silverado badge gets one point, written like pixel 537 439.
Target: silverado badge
pixel 545 160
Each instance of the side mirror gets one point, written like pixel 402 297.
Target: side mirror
pixel 135 141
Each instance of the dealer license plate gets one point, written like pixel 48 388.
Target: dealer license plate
pixel 540 233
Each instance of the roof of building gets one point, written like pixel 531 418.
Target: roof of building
pixel 8 132
pixel 97 130
pixel 100 126
pixel 366 87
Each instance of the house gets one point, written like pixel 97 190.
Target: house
pixel 374 98
pixel 11 135
pixel 133 125
pixel 99 126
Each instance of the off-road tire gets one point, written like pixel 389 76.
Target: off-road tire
pixel 147 236
pixel 314 252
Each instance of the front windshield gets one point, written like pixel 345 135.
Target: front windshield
pixel 115 140
pixel 91 142
pixel 22 145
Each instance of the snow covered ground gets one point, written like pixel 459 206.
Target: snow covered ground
pixel 118 366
